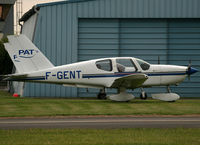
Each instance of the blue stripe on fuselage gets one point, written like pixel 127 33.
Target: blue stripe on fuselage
pixel 117 74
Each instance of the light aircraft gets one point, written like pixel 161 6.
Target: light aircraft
pixel 117 72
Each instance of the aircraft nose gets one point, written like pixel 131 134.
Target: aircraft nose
pixel 192 71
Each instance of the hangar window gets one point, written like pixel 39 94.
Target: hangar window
pixel 144 65
pixel 4 10
pixel 104 65
pixel 125 65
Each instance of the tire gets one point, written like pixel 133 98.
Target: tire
pixel 143 97
pixel 101 96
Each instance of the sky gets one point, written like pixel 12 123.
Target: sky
pixel 28 4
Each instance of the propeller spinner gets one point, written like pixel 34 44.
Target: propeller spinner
pixel 190 70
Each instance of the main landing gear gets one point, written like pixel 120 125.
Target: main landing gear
pixel 143 94
pixel 102 94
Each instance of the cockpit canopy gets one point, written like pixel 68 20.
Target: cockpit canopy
pixel 122 64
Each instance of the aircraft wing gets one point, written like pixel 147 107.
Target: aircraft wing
pixel 130 81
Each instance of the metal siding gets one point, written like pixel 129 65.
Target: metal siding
pixel 184 45
pixel 56 37
pixel 144 38
pixel 74 35
pixel 139 9
pixel 70 12
pixel 175 41
pixel 97 38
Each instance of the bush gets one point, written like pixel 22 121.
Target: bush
pixel 6 63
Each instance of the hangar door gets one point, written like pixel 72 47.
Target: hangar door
pixel 143 38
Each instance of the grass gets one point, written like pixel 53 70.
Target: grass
pixel 20 107
pixel 138 136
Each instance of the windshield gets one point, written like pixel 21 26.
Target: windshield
pixel 144 65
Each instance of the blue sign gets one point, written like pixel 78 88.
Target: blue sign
pixel 27 53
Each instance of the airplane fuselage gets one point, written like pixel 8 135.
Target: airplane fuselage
pixel 101 73
pixel 117 72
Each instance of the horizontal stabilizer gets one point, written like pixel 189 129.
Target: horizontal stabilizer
pixel 20 77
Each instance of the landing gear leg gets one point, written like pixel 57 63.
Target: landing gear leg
pixel 102 94
pixel 170 92
pixel 168 89
pixel 143 94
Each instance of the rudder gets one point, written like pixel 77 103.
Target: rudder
pixel 25 55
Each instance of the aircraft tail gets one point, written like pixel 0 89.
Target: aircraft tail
pixel 25 55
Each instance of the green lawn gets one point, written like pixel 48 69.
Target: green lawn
pixel 138 136
pixel 18 107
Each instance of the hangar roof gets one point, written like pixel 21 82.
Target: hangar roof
pixel 130 8
pixel 61 2
pixel 33 10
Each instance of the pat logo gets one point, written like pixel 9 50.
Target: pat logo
pixel 27 53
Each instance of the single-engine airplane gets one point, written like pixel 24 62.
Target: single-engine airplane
pixel 118 72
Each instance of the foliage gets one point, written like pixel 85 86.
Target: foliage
pixel 6 64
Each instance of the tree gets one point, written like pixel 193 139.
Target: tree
pixel 6 63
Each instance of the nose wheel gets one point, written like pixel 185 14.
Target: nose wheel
pixel 102 94
pixel 143 94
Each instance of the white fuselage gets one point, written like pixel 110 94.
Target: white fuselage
pixel 89 74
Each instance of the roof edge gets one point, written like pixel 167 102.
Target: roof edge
pixel 62 2
pixel 29 13
pixel 37 7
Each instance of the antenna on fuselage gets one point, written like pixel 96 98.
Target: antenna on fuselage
pixel 158 59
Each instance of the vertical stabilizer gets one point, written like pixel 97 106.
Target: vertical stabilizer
pixel 25 55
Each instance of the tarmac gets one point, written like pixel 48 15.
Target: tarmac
pixel 101 122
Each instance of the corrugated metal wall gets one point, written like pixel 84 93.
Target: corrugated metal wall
pixel 56 36
pixel 184 45
pixel 175 41
pixel 98 38
pixel 57 32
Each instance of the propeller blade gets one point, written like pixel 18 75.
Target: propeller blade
pixel 190 64
pixel 189 69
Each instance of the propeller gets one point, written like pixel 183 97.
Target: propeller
pixel 189 69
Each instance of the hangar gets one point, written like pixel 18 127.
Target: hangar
pixel 76 30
